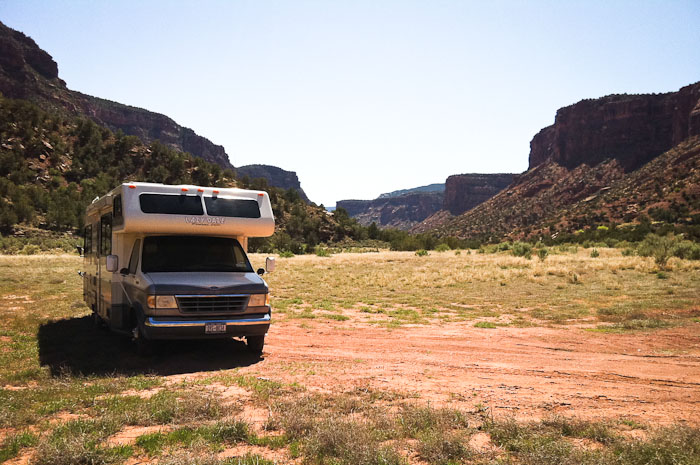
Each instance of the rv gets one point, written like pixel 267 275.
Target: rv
pixel 169 262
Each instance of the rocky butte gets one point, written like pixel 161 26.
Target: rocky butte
pixel 631 129
pixel 409 207
pixel 401 212
pixel 276 177
pixel 602 161
pixel 465 191
pixel 28 72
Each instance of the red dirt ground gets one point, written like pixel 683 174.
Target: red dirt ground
pixel 651 377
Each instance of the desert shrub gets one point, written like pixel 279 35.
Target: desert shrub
pixel 667 446
pixel 595 253
pixel 658 247
pixel 628 252
pixel 442 448
pixel 686 249
pixel 421 252
pixel 322 252
pixel 346 442
pixel 442 248
pixel 30 249
pixel 542 254
pixel 286 254
pixel 522 249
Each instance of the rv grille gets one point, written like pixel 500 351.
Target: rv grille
pixel 212 303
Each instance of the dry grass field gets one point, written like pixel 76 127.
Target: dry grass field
pixel 374 358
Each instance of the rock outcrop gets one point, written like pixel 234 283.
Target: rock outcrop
pixel 401 212
pixel 608 160
pixel 28 72
pixel 631 129
pixel 465 191
pixel 276 177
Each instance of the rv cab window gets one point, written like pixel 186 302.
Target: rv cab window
pixel 193 253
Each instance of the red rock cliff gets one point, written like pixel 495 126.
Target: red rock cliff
pixel 465 191
pixel 631 129
pixel 28 72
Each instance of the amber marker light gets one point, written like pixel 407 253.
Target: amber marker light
pixel 131 186
pixel 184 189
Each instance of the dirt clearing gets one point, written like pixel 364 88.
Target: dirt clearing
pixel 522 372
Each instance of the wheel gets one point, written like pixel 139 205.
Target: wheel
pixel 98 321
pixel 255 344
pixel 144 347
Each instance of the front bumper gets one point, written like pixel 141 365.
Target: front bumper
pixel 176 328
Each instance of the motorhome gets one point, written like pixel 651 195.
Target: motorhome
pixel 169 262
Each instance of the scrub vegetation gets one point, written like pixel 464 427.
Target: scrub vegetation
pixel 73 394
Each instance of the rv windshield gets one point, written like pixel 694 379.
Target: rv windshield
pixel 193 253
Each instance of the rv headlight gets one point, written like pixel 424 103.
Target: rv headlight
pixel 258 300
pixel 162 301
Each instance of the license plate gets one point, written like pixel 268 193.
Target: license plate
pixel 214 328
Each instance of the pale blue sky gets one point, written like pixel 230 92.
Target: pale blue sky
pixel 365 97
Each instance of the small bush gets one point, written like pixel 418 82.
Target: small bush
pixel 522 249
pixel 345 442
pixel 542 254
pixel 595 253
pixel 658 247
pixel 322 252
pixel 442 448
pixel 459 252
pixel 484 324
pixel 30 249
pixel 442 248
pixel 286 254
pixel 628 252
pixel 421 253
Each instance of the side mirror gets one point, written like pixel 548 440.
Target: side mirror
pixel 124 271
pixel 261 271
pixel 270 264
pixel 81 251
pixel 112 263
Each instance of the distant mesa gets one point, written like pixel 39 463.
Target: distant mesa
pixel 276 177
pixel 429 188
pixel 404 209
pixel 465 191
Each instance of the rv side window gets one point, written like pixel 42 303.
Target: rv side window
pixel 117 215
pixel 106 235
pixel 240 208
pixel 87 240
pixel 173 204
pixel 134 261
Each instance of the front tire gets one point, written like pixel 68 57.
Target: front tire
pixel 255 344
pixel 144 347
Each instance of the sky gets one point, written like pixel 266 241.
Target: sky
pixel 365 97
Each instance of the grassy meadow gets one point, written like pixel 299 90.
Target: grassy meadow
pixel 70 393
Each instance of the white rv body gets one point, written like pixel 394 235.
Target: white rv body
pixel 120 223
